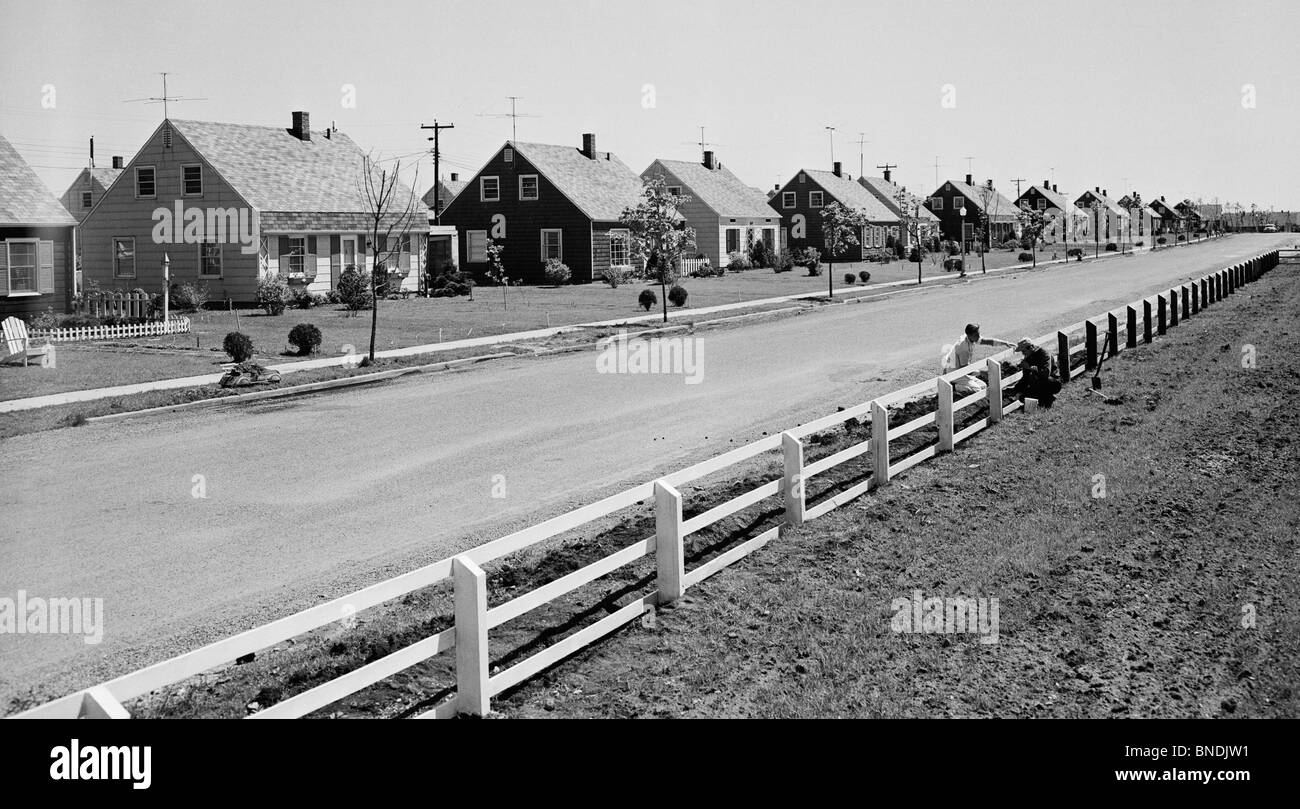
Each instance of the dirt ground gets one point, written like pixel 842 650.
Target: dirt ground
pixel 1174 595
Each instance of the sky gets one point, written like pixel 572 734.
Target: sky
pixel 1182 99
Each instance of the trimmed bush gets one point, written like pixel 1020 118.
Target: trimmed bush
pixel 238 346
pixel 305 337
pixel 557 272
pixel 1139 243
pixel 953 264
pixel 300 298
pixel 1161 240
pixel 784 262
pixel 864 276
pixel 1025 257
pixel 849 278
pixel 677 296
pixel 879 256
pixel 354 290
pixel 1111 247
pixel 614 276
pixel 647 299
pixel 1011 244
pixel 1075 252
pixel 951 247
pixel 738 262
pixel 760 255
pixel 1182 238
pixel 451 284
pixel 189 297
pixel 272 295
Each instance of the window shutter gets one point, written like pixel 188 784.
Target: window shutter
pixel 4 268
pixel 336 256
pixel 311 245
pixel 45 267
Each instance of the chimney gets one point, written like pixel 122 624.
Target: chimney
pixel 968 180
pixel 1054 187
pixel 1162 197
pixel 301 126
pixel 1096 189
pixel 837 169
pixel 990 182
pixel 455 177
pixel 887 175
pixel 709 162
pixel 589 145
pixel 117 161
pixel 776 187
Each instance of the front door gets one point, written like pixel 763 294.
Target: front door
pixel 349 247
pixel 440 253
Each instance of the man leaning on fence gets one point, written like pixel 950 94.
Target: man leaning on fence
pixel 1038 379
pixel 963 353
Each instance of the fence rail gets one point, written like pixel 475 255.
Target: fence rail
pixel 469 636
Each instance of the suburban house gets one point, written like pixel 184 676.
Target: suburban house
pixel 1107 221
pixel 1211 215
pixel 727 215
pixel 230 204
pixel 1140 219
pixel 1167 219
pixel 801 200
pixel 949 199
pixel 37 241
pixel 89 186
pixel 1192 215
pixel 1064 221
pixel 540 201
pixel 887 191
pixel 447 191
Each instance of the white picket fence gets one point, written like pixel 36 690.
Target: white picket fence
pixel 175 325
pixel 469 636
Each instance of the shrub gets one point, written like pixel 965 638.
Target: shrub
pixel 808 257
pixel 1111 247
pixel 451 284
pixel 300 298
pixel 1075 252
pixel 189 297
pixel 738 262
pixel 1138 243
pixel 305 337
pixel 1182 238
pixel 617 275
pixel 272 295
pixel 864 276
pixel 760 255
pixel 951 247
pixel 953 263
pixel 1161 240
pixel 354 291
pixel 914 255
pixel 784 262
pixel 46 320
pixel 1025 243
pixel 1025 257
pixel 557 272
pixel 677 296
pixel 849 278
pixel 1011 244
pixel 647 299
pixel 881 256
pixel 238 346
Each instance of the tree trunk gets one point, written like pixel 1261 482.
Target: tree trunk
pixel 830 278
pixel 374 308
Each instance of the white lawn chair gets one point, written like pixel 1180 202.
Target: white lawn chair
pixel 17 345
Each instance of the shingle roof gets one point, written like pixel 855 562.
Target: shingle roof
pixel 1056 198
pixel 603 188
pixel 275 171
pixel 717 188
pixel 450 188
pixel 1003 208
pixel 1106 202
pixel 853 195
pixel 887 191
pixel 24 199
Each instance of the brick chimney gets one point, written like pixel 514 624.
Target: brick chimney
pixel 887 175
pixel 589 145
pixel 1096 189
pixel 1054 187
pixel 301 126
pixel 709 162
pixel 990 182
pixel 837 169
pixel 455 177
pixel 968 180
pixel 117 161
pixel 1105 193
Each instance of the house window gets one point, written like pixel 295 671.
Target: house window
pixel 210 259
pixel 528 187
pixel 787 199
pixel 618 249
pixel 510 155
pixel 769 238
pixel 814 199
pixel 802 176
pixel 22 266
pixel 85 199
pixel 144 182
pixel 489 189
pixel 936 203
pixel 1042 204
pixel 476 245
pixel 297 255
pixel 124 257
pixel 675 190
pixel 733 240
pixel 192 180
pixel 552 244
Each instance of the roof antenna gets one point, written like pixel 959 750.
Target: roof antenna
pixel 164 98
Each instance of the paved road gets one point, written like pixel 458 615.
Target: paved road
pixel 319 495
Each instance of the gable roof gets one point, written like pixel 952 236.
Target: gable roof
pixel 1056 198
pixel 24 199
pixel 887 191
pixel 602 188
pixel 718 188
pixel 852 195
pixel 1165 210
pixel 450 188
pixel 100 179
pixel 1106 202
pixel 275 171
pixel 1003 207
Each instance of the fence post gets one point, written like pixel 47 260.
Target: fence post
pixel 471 637
pixel 1063 355
pixel 1146 321
pixel 668 542
pixel 792 485
pixel 1186 302
pixel 1173 308
pixel 995 390
pixel 1131 339
pixel 1162 307
pixel 1232 279
pixel 944 416
pixel 1112 325
pixel 1090 344
pixel 1205 293
pixel 879 444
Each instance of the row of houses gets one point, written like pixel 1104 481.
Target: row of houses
pixel 230 204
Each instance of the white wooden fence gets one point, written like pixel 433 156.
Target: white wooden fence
pixel 175 325
pixel 470 634
pixel 118 304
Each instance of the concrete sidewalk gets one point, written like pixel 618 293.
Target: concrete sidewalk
pixel 70 397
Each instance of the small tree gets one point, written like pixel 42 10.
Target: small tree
pixel 390 210
pixel 840 228
pixel 1096 207
pixel 1032 224
pixel 658 234
pixel 910 223
pixel 1134 208
pixel 496 270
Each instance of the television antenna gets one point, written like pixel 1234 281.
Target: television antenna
pixel 163 99
pixel 512 115
pixel 702 143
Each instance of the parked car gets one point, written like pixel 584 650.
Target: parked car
pixel 1270 228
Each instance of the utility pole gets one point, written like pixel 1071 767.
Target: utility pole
pixel 1018 181
pixel 936 171
pixel 862 140
pixel 437 179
